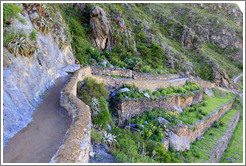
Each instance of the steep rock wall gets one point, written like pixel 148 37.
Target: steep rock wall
pixel 26 78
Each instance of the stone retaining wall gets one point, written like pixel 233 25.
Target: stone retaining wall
pixel 152 85
pixel 76 145
pixel 219 150
pixel 111 71
pixel 207 84
pixel 127 108
pixel 182 135
pixel 150 76
pixel 131 74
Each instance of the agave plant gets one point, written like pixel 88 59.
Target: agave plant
pixel 43 24
pixel 109 139
pixel 18 46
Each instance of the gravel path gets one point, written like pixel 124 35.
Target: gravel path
pixel 235 79
pixel 40 140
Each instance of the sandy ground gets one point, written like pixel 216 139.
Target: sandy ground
pixel 39 141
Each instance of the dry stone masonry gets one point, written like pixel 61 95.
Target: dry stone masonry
pixel 127 108
pixel 182 135
pixel 218 152
pixel 76 144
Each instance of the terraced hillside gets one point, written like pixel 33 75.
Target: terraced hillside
pixel 151 82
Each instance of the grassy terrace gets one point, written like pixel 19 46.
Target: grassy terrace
pixel 199 111
pixel 189 115
pixel 148 121
pixel 235 146
pixel 134 92
pixel 115 76
pixel 202 150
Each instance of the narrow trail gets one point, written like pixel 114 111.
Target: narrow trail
pixel 40 140
pixel 235 79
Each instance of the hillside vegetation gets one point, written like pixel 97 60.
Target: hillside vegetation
pixel 198 42
pixel 198 39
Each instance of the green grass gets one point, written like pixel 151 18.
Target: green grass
pixel 212 137
pixel 136 93
pixel 235 146
pixel 241 84
pixel 115 76
pixel 210 106
pixel 11 10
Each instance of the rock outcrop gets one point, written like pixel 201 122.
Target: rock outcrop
pixel 101 28
pixel 27 75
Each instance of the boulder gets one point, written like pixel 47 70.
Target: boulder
pixel 177 108
pixel 163 121
pixel 109 127
pixel 147 95
pixel 92 154
pixel 179 143
pixel 100 27
pixel 165 143
pixel 111 66
pixel 209 92
pixel 104 63
pixel 114 93
pixel 125 90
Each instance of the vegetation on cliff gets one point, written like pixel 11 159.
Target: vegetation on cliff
pixel 161 38
pixel 203 40
pixel 192 39
pixel 135 93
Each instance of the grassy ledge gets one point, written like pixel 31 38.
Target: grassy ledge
pixel 202 150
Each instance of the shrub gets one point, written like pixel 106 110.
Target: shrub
pixel 204 103
pixel 103 118
pixel 215 124
pixel 33 35
pixel 96 136
pixel 195 151
pixel 94 95
pixel 199 116
pixel 161 154
pixel 11 10
pixel 134 63
pixel 156 93
pixel 92 89
pixel 9 36
pixel 240 65
pixel 147 69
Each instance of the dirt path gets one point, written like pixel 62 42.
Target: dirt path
pixel 235 79
pixel 40 140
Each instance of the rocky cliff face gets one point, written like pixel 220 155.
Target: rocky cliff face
pixel 101 28
pixel 202 40
pixel 196 29
pixel 28 74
